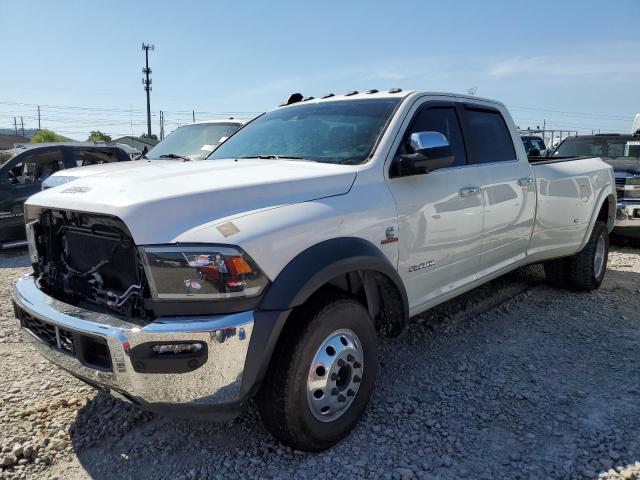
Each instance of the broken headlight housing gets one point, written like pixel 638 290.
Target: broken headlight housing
pixel 201 272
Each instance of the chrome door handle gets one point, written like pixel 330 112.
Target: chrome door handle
pixel 526 182
pixel 469 191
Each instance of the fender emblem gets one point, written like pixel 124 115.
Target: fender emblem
pixel 421 266
pixel 390 236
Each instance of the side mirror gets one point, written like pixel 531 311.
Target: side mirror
pixel 534 152
pixel 431 151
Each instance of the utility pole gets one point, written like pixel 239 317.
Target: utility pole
pixel 39 117
pixel 161 125
pixel 22 125
pixel 193 113
pixel 146 81
pixel 15 125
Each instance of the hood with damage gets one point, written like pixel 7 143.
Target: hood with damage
pixel 159 200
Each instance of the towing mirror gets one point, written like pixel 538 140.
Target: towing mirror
pixel 431 151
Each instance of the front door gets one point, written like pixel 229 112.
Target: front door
pixel 440 218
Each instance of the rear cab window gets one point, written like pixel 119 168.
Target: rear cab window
pixel 488 136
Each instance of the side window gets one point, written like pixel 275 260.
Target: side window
pixel 443 120
pixel 490 139
pixel 37 167
pixel 93 156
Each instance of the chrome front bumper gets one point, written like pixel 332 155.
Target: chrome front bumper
pixel 213 389
pixel 628 214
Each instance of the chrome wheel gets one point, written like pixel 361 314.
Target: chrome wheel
pixel 598 258
pixel 335 375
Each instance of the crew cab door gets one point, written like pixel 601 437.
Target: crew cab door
pixel 440 222
pixel 508 187
pixel 20 178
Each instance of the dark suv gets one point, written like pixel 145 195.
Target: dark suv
pixel 23 169
pixel 622 152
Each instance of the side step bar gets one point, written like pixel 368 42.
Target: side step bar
pixel 17 243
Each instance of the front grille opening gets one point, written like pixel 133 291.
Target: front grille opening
pixel 92 352
pixel 91 258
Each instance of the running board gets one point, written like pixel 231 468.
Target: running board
pixel 8 245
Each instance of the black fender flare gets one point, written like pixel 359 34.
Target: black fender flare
pixel 300 278
pixel 323 262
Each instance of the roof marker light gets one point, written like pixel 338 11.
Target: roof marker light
pixel 373 90
pixel 327 95
pixel 395 90
pixel 293 98
pixel 307 98
pixel 353 92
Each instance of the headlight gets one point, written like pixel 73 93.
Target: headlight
pixel 207 272
pixel 633 181
pixel 54 181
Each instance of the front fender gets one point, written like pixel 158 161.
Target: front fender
pixel 323 262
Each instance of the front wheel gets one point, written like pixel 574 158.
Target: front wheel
pixel 322 374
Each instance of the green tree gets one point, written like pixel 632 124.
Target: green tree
pixel 47 136
pixel 98 136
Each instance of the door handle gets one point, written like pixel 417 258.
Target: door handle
pixel 469 191
pixel 525 182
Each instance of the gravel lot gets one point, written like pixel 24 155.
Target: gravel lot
pixel 513 380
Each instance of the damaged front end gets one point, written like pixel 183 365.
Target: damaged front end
pixel 80 257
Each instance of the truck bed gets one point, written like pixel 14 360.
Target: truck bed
pixel 568 191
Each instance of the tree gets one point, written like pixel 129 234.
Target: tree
pixel 47 136
pixel 98 136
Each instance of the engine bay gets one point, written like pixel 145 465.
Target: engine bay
pixel 88 257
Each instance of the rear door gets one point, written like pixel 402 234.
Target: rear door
pixel 440 222
pixel 508 188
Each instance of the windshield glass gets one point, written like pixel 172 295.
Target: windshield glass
pixel 343 131
pixel 600 147
pixel 193 141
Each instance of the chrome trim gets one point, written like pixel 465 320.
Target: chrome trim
pixel 216 382
pixel 626 215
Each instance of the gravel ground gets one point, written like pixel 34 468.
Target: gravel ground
pixel 513 380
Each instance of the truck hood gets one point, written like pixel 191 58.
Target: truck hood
pixel 625 165
pixel 160 199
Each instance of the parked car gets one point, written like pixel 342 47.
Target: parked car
pixel 23 170
pixel 342 217
pixel 195 141
pixel 622 152
pixel 534 145
pixel 190 142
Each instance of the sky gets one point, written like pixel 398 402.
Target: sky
pixel 570 64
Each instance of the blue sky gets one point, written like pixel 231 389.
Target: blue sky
pixel 575 64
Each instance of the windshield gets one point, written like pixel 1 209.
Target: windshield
pixel 596 147
pixel 193 141
pixel 343 131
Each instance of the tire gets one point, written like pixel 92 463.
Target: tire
pixel 584 270
pixel 295 374
pixel 581 271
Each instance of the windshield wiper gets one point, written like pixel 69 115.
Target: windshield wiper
pixel 174 155
pixel 273 157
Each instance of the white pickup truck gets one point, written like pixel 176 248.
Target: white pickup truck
pixel 267 270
